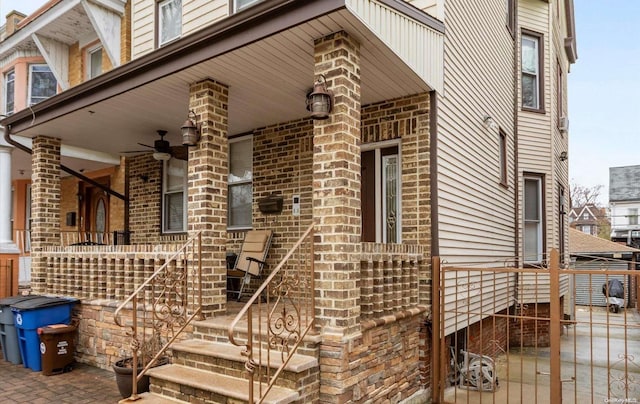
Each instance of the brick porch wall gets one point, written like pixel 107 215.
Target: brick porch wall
pixel 529 332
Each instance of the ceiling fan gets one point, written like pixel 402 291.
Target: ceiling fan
pixel 162 149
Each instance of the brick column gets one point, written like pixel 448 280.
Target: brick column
pixel 45 206
pixel 336 212
pixel 207 188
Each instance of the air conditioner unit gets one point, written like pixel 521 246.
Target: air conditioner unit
pixel 564 124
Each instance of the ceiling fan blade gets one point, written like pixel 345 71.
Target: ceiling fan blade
pixel 146 145
pixel 135 151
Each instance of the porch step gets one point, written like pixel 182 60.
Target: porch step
pixel 226 358
pixel 183 383
pixel 216 330
pixel 152 398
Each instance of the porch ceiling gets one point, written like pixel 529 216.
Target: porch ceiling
pixel 268 80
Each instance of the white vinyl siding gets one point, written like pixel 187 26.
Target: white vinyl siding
pixel 198 14
pixel 478 80
pixel 142 27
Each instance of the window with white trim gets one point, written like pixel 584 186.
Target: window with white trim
pixel 9 92
pixel 240 182
pixel 533 229
pixel 174 196
pixel 94 62
pixel 633 215
pixel 42 83
pixel 169 21
pixel 531 80
pixel 239 5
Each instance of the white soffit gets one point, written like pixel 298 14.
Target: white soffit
pixel 107 26
pixel 56 54
pixel 418 45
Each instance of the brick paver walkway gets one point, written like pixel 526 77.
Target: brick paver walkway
pixel 84 384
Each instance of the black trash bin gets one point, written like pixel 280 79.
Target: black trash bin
pixel 57 346
pixel 8 333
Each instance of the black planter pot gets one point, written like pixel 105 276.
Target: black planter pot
pixel 124 371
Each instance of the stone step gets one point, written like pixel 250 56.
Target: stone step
pixel 216 329
pixel 183 382
pixel 152 398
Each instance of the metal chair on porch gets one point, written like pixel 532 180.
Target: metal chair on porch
pixel 250 261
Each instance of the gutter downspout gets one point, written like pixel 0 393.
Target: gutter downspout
pixel 8 139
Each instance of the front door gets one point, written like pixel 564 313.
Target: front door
pixel 95 212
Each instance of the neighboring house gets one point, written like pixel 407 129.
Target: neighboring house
pixel 588 219
pixel 445 138
pixel 594 253
pixel 61 45
pixel 624 203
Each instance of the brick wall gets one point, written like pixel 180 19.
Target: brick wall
pixel 125 34
pixel 527 332
pixel 489 336
pixel 145 193
pixel 75 65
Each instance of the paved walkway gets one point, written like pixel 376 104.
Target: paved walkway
pixel 84 384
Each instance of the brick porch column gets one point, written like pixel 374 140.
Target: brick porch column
pixel 336 212
pixel 207 189
pixel 45 206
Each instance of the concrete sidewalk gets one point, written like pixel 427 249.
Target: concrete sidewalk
pixel 84 384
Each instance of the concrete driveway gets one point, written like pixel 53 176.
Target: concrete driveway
pixel 600 359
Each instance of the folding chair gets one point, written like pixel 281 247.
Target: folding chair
pixel 251 260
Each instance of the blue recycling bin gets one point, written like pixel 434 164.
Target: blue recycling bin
pixel 8 333
pixel 31 314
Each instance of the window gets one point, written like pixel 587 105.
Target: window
pixel 503 158
pixel 511 16
pixel 174 191
pixel 240 182
pixel 559 95
pixel 585 216
pixel 169 21
pixel 42 83
pixel 9 92
pixel 380 193
pixel 239 5
pixel 633 215
pixel 532 85
pixel 94 62
pixel 533 220
pixel 586 229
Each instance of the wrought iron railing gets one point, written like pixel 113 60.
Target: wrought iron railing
pixel 162 307
pixel 283 308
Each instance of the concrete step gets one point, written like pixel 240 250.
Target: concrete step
pixel 152 398
pixel 183 382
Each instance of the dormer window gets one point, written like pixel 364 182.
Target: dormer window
pixel 42 83
pixel 169 21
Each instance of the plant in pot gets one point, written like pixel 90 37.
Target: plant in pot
pixel 124 367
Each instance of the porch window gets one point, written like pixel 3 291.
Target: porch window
pixel 380 193
pixel 533 220
pixel 239 5
pixel 531 71
pixel 240 196
pixel 42 83
pixel 94 62
pixel 174 190
pixel 9 92
pixel 169 21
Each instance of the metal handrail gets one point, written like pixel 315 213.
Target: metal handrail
pixel 284 327
pixel 165 316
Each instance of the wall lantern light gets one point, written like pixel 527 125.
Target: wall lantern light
pixel 564 156
pixel 190 130
pixel 319 101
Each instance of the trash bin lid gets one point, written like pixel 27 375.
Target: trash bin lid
pixel 8 301
pixel 41 302
pixel 56 329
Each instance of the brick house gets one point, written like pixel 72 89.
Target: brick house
pixel 386 182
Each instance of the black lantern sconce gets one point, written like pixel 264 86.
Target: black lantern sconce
pixel 190 130
pixel 319 100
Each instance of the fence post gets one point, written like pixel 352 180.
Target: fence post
pixel 554 329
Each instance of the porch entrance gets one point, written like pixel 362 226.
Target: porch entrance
pixel 513 335
pixel 94 210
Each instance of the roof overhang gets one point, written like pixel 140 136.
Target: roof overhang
pixel 264 54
